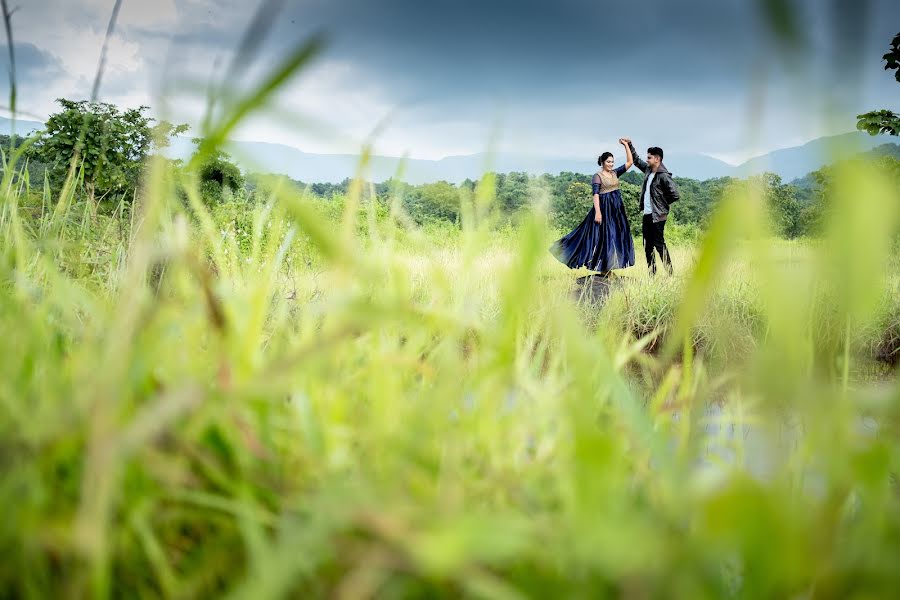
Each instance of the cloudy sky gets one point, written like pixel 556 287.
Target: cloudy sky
pixel 560 78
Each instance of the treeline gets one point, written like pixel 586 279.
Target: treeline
pixel 112 146
pixel 796 208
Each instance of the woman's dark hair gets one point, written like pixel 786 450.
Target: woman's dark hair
pixel 603 158
pixel 655 151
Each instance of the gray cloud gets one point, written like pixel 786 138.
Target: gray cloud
pixel 32 63
pixel 681 72
pixel 509 47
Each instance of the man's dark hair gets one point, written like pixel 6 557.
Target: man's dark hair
pixel 603 158
pixel 655 151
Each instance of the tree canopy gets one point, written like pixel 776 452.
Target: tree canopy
pixel 109 145
pixel 884 121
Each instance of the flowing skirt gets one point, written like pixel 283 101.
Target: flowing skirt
pixel 599 246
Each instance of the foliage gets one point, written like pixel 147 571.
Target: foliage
pixel 781 202
pixel 220 180
pixel 35 168
pixel 634 177
pixel 261 399
pixel 698 199
pixel 794 208
pixel 892 58
pixel 439 200
pixel 633 208
pixel 570 209
pixel 878 122
pixel 512 192
pixel 816 211
pixel 884 121
pixel 110 145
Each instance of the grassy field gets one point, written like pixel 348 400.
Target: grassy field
pixel 274 401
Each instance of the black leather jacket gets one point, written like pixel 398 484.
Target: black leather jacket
pixel 663 190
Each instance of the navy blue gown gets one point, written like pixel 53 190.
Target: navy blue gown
pixel 600 246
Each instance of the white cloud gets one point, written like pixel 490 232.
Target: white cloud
pixel 74 35
pixel 345 102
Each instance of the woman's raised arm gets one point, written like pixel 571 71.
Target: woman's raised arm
pixel 629 159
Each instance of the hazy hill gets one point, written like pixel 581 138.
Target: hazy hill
pixel 789 163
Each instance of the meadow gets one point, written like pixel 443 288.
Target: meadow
pixel 302 398
pixel 283 395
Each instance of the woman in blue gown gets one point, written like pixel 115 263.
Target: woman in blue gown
pixel 602 242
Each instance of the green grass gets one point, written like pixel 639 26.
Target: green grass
pixel 278 400
pixel 304 398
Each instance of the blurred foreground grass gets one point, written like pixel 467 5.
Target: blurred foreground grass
pixel 275 400
pixel 321 400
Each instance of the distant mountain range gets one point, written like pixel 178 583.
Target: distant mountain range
pixel 789 163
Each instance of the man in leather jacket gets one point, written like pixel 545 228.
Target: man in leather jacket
pixel 658 191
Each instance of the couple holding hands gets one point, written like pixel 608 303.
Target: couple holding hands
pixel 602 242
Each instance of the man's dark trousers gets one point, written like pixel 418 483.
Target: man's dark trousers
pixel 653 238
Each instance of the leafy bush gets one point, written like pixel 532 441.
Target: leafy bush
pixel 220 179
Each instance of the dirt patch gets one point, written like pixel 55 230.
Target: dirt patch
pixel 594 289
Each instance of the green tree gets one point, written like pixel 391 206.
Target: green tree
pixel 327 190
pixel 110 145
pixel 440 200
pixel 816 211
pixel 512 192
pixel 633 177
pixel 468 184
pixel 558 184
pixel 219 178
pixel 784 209
pixel 570 209
pixel 698 199
pixel 631 198
pixel 34 167
pixel 781 201
pixel 884 121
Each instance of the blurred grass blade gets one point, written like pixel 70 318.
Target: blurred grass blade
pixel 258 97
